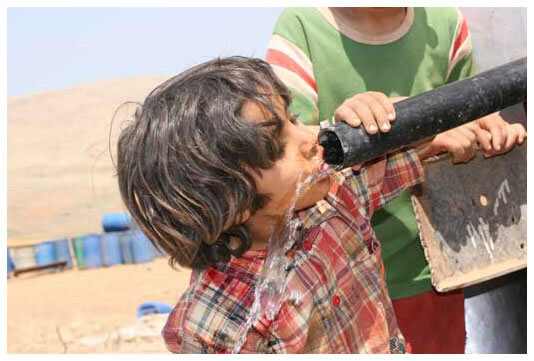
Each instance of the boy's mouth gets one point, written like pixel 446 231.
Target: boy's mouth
pixel 323 170
pixel 318 169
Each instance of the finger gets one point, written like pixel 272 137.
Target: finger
pixel 379 113
pixel 386 103
pixel 463 151
pixel 484 139
pixel 345 114
pixel 497 137
pixel 468 156
pixel 461 137
pixel 450 144
pixel 458 156
pixel 469 144
pixel 521 131
pixel 523 136
pixel 397 99
pixel 464 145
pixel 364 113
pixel 469 135
pixel 512 136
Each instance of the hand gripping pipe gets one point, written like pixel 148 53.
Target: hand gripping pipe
pixel 428 114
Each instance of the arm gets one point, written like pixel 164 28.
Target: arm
pixel 492 133
pixel 461 63
pixel 289 57
pixel 379 182
pixel 499 135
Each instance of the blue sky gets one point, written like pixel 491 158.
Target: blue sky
pixel 54 48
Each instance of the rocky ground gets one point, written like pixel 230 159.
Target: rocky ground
pixel 91 311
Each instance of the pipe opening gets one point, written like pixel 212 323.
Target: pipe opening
pixel 333 151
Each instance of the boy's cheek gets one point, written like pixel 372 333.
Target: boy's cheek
pixel 278 205
pixel 318 192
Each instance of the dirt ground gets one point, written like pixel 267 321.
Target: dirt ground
pixel 61 180
pixel 91 311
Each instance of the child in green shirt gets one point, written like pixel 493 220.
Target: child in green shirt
pixel 326 56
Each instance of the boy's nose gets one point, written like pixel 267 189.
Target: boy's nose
pixel 311 151
pixel 310 148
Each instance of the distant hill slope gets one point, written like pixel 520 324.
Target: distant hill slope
pixel 60 174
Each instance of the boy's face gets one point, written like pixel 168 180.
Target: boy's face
pixel 302 157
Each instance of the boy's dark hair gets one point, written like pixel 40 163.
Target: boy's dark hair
pixel 181 162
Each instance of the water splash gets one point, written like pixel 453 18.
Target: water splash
pixel 271 293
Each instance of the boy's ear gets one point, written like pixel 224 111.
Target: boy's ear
pixel 243 217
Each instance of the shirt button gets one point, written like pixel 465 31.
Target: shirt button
pixel 336 301
pixel 307 245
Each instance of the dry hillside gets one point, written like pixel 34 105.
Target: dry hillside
pixel 60 174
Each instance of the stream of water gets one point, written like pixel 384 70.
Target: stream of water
pixel 271 293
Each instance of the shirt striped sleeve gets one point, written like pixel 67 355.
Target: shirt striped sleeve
pixel 461 48
pixel 291 64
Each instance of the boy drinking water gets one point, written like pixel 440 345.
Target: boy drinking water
pixel 208 169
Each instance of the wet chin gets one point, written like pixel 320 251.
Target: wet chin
pixel 317 192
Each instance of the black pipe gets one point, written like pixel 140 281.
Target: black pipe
pixel 428 114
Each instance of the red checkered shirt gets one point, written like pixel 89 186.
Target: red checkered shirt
pixel 335 266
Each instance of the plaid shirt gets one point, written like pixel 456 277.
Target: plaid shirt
pixel 335 266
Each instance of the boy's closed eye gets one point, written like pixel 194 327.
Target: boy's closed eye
pixel 294 118
pixel 276 127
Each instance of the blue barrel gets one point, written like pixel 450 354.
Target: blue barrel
pixel 63 251
pixel 150 307
pixel 116 222
pixel 10 266
pixel 125 241
pixel 92 251
pixel 111 249
pixel 45 253
pixel 143 251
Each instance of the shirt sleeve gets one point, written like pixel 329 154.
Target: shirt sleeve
pixel 289 57
pixel 379 182
pixel 461 64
